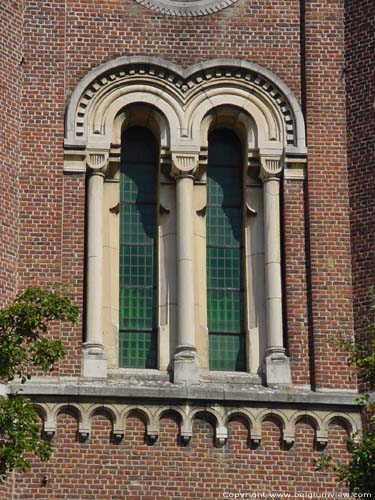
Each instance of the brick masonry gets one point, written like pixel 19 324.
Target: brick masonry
pixel 135 470
pixel 47 47
pixel 360 81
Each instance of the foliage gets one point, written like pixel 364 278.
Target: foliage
pixel 359 474
pixel 23 349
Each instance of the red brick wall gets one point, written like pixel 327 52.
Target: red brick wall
pixel 134 470
pixel 360 82
pixel 88 33
pixel 63 40
pixel 10 100
pixel 328 196
pixel 295 236
pixel 41 175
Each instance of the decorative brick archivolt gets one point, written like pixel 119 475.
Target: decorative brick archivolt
pixel 220 416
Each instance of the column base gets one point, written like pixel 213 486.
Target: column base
pixel 94 361
pixel 186 368
pixel 277 368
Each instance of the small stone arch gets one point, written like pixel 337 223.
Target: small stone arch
pixel 75 408
pixel 286 430
pixel 217 420
pixel 343 419
pixel 244 415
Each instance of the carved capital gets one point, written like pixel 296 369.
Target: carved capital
pixel 97 161
pixel 270 167
pixel 184 163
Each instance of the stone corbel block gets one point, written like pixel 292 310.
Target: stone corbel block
pixel 289 435
pixel 221 435
pixel 152 432
pixel 322 437
pixel 84 430
pixel 256 434
pixel 118 431
pixel 186 431
pixel 49 428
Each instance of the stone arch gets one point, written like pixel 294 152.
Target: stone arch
pixel 41 411
pixel 240 412
pixel 184 97
pixel 106 410
pixel 73 407
pixel 312 417
pixel 233 118
pixel 244 415
pixel 343 419
pixel 143 411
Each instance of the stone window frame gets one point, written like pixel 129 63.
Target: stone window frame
pixel 184 98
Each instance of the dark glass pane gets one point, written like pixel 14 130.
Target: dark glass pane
pixel 224 252
pixel 138 195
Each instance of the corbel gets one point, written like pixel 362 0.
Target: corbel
pixel 289 435
pixel 221 435
pixel 322 437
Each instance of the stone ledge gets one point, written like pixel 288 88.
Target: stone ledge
pixel 137 389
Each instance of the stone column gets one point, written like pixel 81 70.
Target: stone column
pixel 276 362
pixel 94 359
pixel 186 367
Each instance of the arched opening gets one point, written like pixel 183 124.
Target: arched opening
pixel 138 249
pixel 224 224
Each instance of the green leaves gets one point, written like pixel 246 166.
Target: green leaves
pixel 21 325
pixel 359 474
pixel 25 347
pixel 19 434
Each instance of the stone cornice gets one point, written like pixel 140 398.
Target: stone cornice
pixel 220 404
pixel 139 387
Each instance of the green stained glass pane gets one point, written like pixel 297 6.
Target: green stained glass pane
pixel 137 349
pixel 227 352
pixel 225 253
pixel 138 217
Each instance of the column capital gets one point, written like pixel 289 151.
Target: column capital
pixel 184 163
pixel 271 166
pixel 97 161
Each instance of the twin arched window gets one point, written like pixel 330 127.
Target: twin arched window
pixel 138 250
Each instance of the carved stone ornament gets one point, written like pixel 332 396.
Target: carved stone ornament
pixel 186 8
pixel 184 163
pixel 97 160
pixel 271 167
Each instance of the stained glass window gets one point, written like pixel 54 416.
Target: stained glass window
pixel 225 297
pixel 138 270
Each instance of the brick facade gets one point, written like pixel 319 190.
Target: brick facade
pixel 360 81
pixel 323 50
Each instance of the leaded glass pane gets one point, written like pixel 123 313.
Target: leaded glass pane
pixel 138 195
pixel 227 351
pixel 225 253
